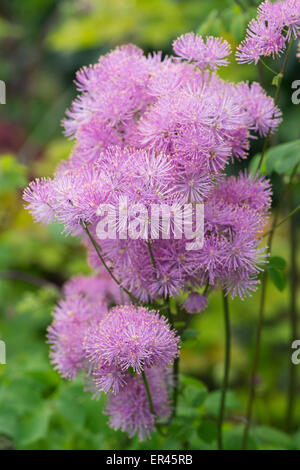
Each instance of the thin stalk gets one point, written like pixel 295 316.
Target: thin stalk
pixel 261 314
pixel 255 362
pixel 151 256
pixel 267 67
pixel 292 388
pixel 226 370
pixel 290 215
pixel 265 275
pixel 175 386
pixel 97 249
pixel 148 392
pixel 276 99
pixel 158 426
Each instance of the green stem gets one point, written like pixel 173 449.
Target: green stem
pixel 293 212
pixel 292 389
pixel 265 275
pixel 226 370
pixel 175 386
pixel 267 67
pixel 152 256
pixel 97 249
pixel 276 99
pixel 148 392
pixel 255 362
pixel 261 317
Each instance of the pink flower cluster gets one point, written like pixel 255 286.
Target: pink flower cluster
pixel 268 34
pixel 113 348
pixel 153 130
pixel 161 131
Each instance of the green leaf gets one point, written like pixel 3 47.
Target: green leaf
pixel 276 79
pixel 8 421
pixel 268 435
pixel 192 395
pixel 35 426
pixel 277 277
pixel 276 262
pixel 254 165
pixel 233 439
pixel 212 402
pixel 208 430
pixel 189 334
pixel 283 158
pixel 71 410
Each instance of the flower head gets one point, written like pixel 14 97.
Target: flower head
pixel 129 409
pixel 72 318
pixel 195 303
pixel 133 337
pixel 268 34
pixel 209 53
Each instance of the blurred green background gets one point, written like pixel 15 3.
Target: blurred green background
pixel 42 44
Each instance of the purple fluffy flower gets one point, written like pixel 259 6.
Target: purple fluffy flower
pixel 262 40
pixel 267 35
pixel 195 303
pixel 129 409
pixel 210 53
pixel 72 318
pixel 129 337
pixel 40 203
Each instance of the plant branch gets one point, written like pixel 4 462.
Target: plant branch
pixel 293 212
pixel 226 370
pixel 152 256
pixel 276 99
pixel 148 392
pixel 261 316
pixel 97 249
pixel 292 388
pixel 267 67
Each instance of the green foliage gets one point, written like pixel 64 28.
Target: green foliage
pixel 12 174
pixel 42 44
pixel 275 268
pixel 283 158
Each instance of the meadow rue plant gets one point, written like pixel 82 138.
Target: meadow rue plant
pixel 153 130
pixel 268 35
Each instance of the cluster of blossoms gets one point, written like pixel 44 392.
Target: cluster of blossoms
pixel 161 131
pixel 113 348
pixel 153 130
pixel 268 34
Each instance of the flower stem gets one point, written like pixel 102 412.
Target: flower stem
pixel 267 67
pixel 148 392
pixel 226 370
pixel 276 99
pixel 293 319
pixel 152 256
pixel 175 386
pixel 255 362
pixel 290 214
pixel 261 316
pixel 95 245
